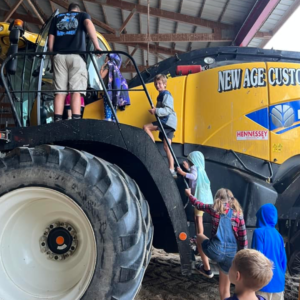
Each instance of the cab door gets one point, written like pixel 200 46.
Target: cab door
pixel 227 107
pixel 284 94
pixel 42 66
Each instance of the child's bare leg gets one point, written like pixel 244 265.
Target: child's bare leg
pixel 198 221
pixel 199 224
pixel 69 113
pixel 224 285
pixel 148 128
pixel 169 154
pixel 200 239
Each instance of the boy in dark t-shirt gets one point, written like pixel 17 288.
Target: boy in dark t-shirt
pixel 249 272
pixel 68 33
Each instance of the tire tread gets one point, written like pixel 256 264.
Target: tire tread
pixel 127 210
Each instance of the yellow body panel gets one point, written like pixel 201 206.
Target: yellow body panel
pixel 251 108
pixel 281 93
pixel 94 111
pixel 214 118
pixel 285 91
pixel 137 113
pixel 223 116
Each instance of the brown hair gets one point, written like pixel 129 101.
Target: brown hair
pixel 256 270
pixel 161 77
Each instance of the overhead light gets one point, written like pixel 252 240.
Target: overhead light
pixel 209 60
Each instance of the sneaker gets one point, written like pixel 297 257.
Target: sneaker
pixel 193 245
pixel 200 269
pixel 108 120
pixel 173 173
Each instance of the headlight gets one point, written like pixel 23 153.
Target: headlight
pixel 209 60
pixel 1 28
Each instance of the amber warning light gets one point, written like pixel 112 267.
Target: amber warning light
pixel 18 23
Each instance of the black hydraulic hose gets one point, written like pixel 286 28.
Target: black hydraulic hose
pixel 253 172
pixel 8 93
pixel 23 78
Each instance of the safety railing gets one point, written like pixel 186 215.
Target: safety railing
pixel 42 55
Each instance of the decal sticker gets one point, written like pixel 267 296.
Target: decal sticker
pixel 277 147
pixel 257 77
pixel 278 118
pixel 67 25
pixel 282 115
pixel 252 135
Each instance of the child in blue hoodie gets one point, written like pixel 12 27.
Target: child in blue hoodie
pixel 267 240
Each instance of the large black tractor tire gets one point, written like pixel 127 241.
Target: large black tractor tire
pixel 293 251
pixel 112 202
pixel 294 263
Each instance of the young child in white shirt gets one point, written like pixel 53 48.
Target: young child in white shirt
pixel 198 183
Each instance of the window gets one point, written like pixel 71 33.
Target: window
pixel 94 81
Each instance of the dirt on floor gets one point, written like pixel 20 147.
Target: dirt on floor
pixel 163 281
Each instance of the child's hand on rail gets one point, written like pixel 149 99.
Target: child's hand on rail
pixel 152 111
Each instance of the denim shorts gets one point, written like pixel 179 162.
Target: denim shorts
pixel 221 253
pixel 168 130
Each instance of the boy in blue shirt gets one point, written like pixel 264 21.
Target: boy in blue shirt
pixel 268 241
pixel 165 111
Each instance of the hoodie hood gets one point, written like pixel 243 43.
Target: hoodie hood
pixel 267 216
pixel 202 191
pixel 197 158
pixel 116 59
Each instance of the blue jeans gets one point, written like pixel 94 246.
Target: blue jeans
pixel 223 246
pixel 222 254
pixel 107 110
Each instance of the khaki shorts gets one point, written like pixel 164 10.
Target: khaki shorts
pixel 198 213
pixel 70 73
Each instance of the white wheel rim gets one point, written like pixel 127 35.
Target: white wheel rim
pixel 26 272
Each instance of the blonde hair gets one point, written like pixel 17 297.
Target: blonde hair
pixel 234 203
pixel 221 197
pixel 226 196
pixel 256 270
pixel 161 77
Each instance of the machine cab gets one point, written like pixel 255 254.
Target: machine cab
pixel 34 74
